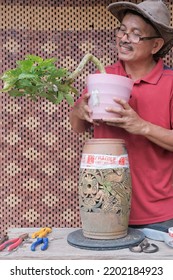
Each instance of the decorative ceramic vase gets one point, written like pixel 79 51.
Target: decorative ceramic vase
pixel 103 88
pixel 104 189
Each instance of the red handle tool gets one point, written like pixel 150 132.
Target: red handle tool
pixel 14 243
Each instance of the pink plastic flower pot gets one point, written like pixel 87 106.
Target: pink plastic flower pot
pixel 103 88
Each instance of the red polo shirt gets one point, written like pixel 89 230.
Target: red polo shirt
pixel 151 166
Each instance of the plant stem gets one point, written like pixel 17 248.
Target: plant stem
pixel 84 61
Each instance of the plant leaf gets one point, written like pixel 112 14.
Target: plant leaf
pixel 15 93
pixel 34 58
pixel 25 65
pixel 74 90
pixel 60 97
pixel 69 99
pixel 27 76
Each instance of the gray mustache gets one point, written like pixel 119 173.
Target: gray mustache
pixel 126 45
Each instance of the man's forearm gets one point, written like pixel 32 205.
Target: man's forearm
pixel 161 136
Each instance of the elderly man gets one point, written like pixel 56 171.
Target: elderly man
pixel 146 123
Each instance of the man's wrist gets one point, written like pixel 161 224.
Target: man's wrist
pixel 146 128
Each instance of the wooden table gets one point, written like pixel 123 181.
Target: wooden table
pixel 59 249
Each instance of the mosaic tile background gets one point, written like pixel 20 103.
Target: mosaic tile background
pixel 39 153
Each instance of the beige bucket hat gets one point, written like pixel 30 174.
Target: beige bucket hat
pixel 153 10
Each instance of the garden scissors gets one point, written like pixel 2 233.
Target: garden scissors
pixel 145 247
pixel 13 243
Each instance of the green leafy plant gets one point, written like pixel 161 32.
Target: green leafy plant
pixel 36 77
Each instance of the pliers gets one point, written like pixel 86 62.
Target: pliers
pixel 42 232
pixel 41 238
pixel 39 241
pixel 13 243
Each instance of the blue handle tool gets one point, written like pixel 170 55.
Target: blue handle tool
pixel 39 241
pixel 45 243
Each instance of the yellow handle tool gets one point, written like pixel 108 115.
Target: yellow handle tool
pixel 42 232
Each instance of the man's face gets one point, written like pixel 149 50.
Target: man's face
pixel 135 52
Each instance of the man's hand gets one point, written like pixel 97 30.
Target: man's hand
pixel 129 119
pixel 82 109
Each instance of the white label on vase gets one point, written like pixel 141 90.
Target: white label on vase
pixel 98 161
pixel 95 97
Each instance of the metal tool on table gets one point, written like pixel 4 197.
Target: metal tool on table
pixel 3 239
pixel 41 238
pixel 145 247
pixel 158 235
pixel 13 243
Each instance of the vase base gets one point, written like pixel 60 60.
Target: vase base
pixel 105 236
pixel 77 239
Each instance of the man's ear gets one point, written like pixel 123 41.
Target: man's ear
pixel 158 44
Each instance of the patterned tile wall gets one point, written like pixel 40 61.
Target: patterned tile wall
pixel 39 152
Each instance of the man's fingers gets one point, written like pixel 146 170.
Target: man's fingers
pixel 87 109
pixel 122 102
pixel 86 96
pixel 114 121
pixel 121 111
pixel 88 118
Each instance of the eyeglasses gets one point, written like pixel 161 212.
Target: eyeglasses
pixel 132 37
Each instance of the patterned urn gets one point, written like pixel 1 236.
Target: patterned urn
pixel 104 189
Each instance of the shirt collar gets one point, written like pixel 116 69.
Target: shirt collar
pixel 152 77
